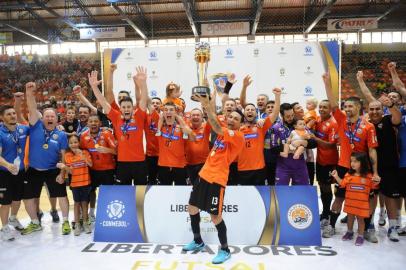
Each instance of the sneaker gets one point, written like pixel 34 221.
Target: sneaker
pixel 328 231
pixel 193 246
pixel 348 236
pixel 323 223
pixel 92 218
pixel 370 236
pixel 221 257
pixel 359 241
pixel 77 231
pixel 87 228
pixel 344 219
pixel 81 224
pixel 66 228
pixel 382 218
pixel 73 225
pixel 6 234
pixel 393 234
pixel 55 216
pixel 16 224
pixel 31 228
pixel 401 231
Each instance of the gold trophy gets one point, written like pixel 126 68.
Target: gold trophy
pixel 202 58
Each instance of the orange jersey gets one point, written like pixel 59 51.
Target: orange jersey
pixel 80 170
pixel 225 150
pixel 364 137
pixel 252 154
pixel 171 147
pixel 151 123
pixel 357 189
pixel 198 150
pixel 104 138
pixel 327 131
pixel 310 115
pixel 115 106
pixel 129 135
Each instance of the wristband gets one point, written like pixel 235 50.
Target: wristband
pixel 227 88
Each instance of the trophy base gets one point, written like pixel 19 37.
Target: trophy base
pixel 200 90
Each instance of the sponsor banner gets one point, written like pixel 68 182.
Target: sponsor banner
pixel 105 32
pixel 352 24
pixel 6 38
pixel 116 215
pixel 225 29
pixel 298 211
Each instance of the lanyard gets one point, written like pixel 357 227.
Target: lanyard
pixel 80 129
pixel 125 127
pixel 351 132
pixel 260 115
pixel 48 135
pixel 218 143
pixel 172 132
pixel 14 137
pixel 95 140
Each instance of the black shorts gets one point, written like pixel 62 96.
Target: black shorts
pixel 207 197
pixel 390 183
pixel 323 173
pixel 252 177
pixel 169 175
pixel 152 169
pixel 105 177
pixel 193 172
pixel 11 187
pixel 341 171
pixel 81 194
pixel 233 174
pixel 402 178
pixel 129 171
pixel 36 179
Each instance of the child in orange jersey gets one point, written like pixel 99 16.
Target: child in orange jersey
pixel 296 141
pixel 311 115
pixel 77 163
pixel 358 184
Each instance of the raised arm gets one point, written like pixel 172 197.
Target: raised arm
pixel 33 115
pixel 364 88
pixel 18 101
pixel 94 84
pixel 140 81
pixel 209 106
pixel 77 90
pixel 274 115
pixel 329 91
pixel 108 91
pixel 397 82
pixel 243 95
pixel 396 115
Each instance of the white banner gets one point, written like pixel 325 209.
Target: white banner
pixel 225 29
pixel 352 24
pixel 295 67
pixel 241 207
pixel 106 32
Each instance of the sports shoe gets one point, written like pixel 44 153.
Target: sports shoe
pixel 81 224
pixel 393 234
pixel 359 241
pixel 86 227
pixel 193 246
pixel 221 257
pixel 328 231
pixel 92 218
pixel 348 236
pixel 16 224
pixel 32 227
pixel 77 231
pixel 382 218
pixel 323 223
pixel 370 236
pixel 6 234
pixel 66 228
pixel 55 216
pixel 344 219
pixel 401 231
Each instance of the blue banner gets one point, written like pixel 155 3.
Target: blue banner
pixel 297 216
pixel 116 215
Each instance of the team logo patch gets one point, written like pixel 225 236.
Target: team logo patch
pixel 55 136
pixel 299 216
pixel 21 130
pixel 363 180
pixel 359 131
pixel 70 128
pixel 231 133
pixel 115 209
pixel 254 129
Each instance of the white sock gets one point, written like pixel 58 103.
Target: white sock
pixel 13 217
pixel 35 221
pixel 392 223
pixel 91 211
pixel 65 219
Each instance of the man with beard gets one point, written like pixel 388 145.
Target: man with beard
pixel 262 99
pixel 355 135
pixel 270 156
pixel 152 141
pixel 84 113
pixel 13 139
pixel 251 161
pixel 327 156
pixel 47 148
pixel 102 148
pixel 172 160
pixel 197 150
pixel 208 191
pixel 128 130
